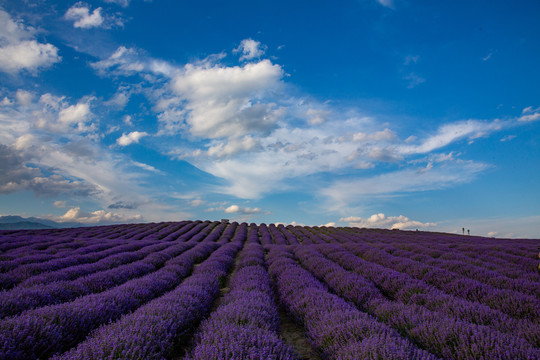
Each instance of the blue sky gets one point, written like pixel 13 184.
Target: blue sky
pixel 388 113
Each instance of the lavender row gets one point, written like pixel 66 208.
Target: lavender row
pixel 157 329
pixel 20 274
pixel 457 339
pixel 513 303
pixel 40 333
pixel 19 299
pixel 519 306
pixel 402 287
pixel 229 232
pixel 128 254
pixel 313 238
pixel 277 236
pixel 291 238
pixel 22 256
pixel 524 269
pixel 31 245
pixel 462 268
pixel 199 226
pixel 335 328
pixel 186 226
pixel 246 324
pixel 266 238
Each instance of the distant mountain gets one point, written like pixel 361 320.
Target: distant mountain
pixel 14 222
pixel 23 225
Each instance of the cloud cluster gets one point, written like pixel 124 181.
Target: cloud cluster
pixel 16 175
pixel 20 51
pixel 382 221
pixel 96 217
pixel 235 209
pixel 233 115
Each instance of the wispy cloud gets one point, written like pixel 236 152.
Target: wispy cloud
pixel 413 80
pixel 342 194
pixel 387 3
pixel 530 114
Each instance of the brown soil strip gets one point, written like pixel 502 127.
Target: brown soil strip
pixel 293 334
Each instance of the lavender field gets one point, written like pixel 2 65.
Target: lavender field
pixel 218 290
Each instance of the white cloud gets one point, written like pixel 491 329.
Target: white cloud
pixel 530 114
pixel 228 101
pixel 196 202
pixel 80 14
pixel 24 97
pixel 27 55
pixel 119 100
pixel 99 216
pixel 317 116
pixel 413 80
pixel 387 3
pixel 19 50
pixel 382 221
pixel 250 49
pixel 233 147
pixel 508 138
pixel 122 3
pixel 449 133
pixel 129 61
pixel 234 209
pixel 411 59
pixel 132 137
pixel 343 193
pixel 74 114
pixel 59 204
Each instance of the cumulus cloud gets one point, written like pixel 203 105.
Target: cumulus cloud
pixel 132 137
pixel 382 221
pixel 228 101
pixel 250 49
pixel 19 51
pixel 99 216
pixel 235 209
pixel 80 14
